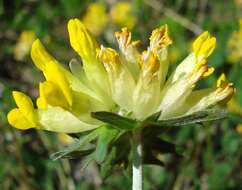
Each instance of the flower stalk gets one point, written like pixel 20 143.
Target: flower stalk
pixel 137 166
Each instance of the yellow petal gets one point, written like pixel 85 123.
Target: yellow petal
pixel 201 70
pixel 81 39
pixel 56 75
pixel 222 78
pixel 52 95
pixel 40 56
pixel 208 47
pixel 41 103
pixel 52 70
pixel 18 120
pixel 204 45
pixel 209 72
pixel 199 41
pixel 86 46
pixel 25 105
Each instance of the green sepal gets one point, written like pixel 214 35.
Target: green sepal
pixel 115 120
pixel 106 136
pixel 153 117
pixel 118 155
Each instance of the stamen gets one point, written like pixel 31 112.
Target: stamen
pixel 109 57
pixel 123 37
pixel 159 38
pixel 149 62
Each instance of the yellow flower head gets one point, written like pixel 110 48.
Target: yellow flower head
pixel 234 45
pixel 122 16
pixel 95 18
pixel 239 128
pixel 174 55
pixel 24 43
pixel 234 106
pixel 126 82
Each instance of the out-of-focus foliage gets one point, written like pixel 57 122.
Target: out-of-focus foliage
pixel 212 152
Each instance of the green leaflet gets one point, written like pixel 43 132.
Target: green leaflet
pixel 107 166
pixel 110 147
pixel 115 120
pixel 87 144
pixel 79 146
pixel 78 154
pixel 201 116
pixel 106 136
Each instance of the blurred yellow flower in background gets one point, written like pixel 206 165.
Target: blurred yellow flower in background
pixel 23 44
pixel 235 44
pixel 233 106
pixel 238 2
pixel 95 18
pixel 121 15
pixel 239 128
pixel 174 55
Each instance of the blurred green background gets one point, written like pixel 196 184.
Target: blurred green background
pixel 213 152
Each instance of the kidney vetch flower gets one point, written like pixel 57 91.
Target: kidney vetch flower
pixel 127 82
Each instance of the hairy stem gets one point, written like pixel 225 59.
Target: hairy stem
pixel 137 160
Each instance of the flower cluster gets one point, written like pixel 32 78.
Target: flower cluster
pixel 97 18
pixel 127 82
pixel 234 45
